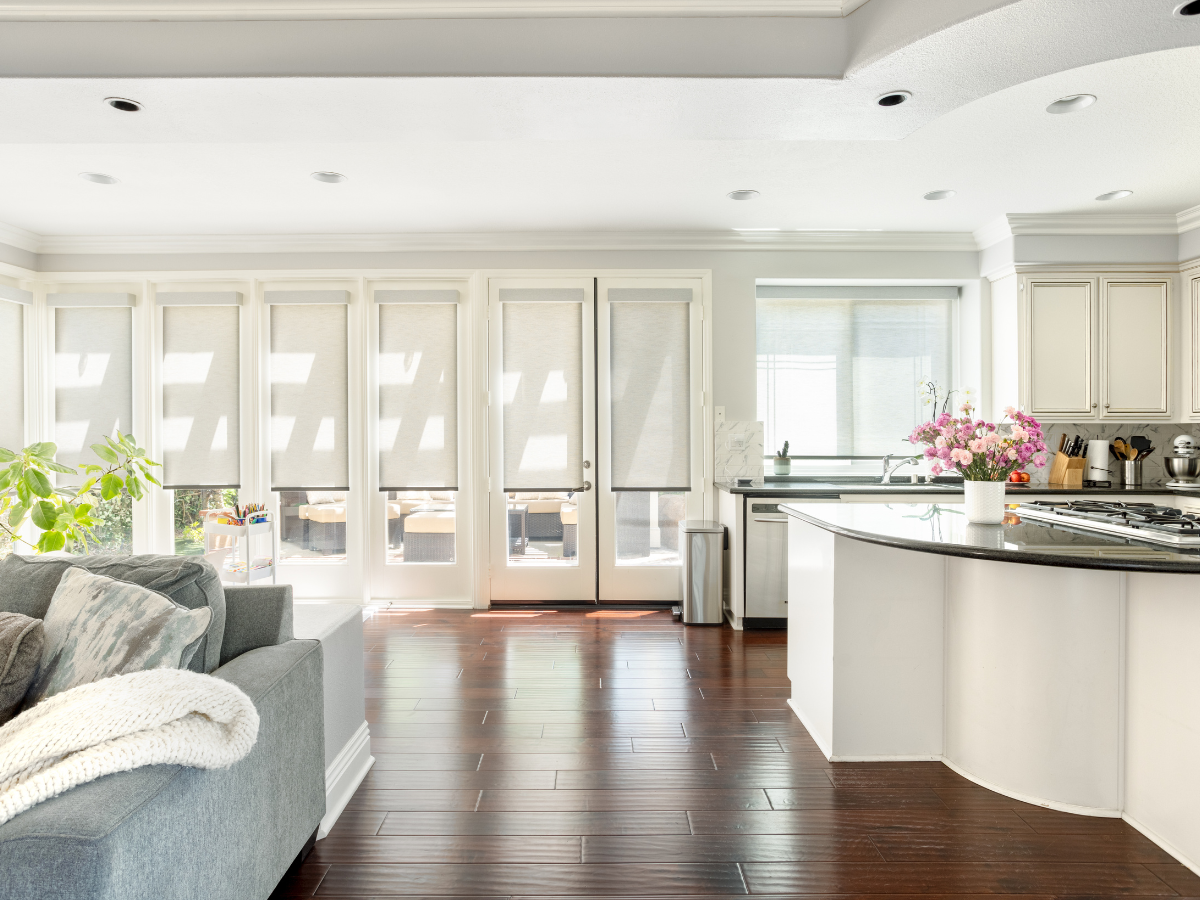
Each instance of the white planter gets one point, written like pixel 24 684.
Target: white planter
pixel 985 502
pixel 783 466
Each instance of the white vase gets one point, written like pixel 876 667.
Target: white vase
pixel 985 502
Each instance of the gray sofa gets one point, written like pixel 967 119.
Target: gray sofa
pixel 171 831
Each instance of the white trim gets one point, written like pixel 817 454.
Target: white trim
pixel 510 241
pixel 1189 219
pixel 992 233
pixel 821 743
pixel 198 298
pixel 900 758
pixel 1095 812
pixel 20 238
pixel 208 10
pixel 1023 224
pixel 1162 842
pixel 288 298
pixel 16 295
pixel 91 298
pixel 344 775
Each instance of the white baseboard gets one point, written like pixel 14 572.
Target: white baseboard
pixel 1163 843
pixel 821 743
pixel 344 775
pixel 1097 812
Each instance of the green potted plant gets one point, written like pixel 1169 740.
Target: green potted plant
pixel 783 462
pixel 64 515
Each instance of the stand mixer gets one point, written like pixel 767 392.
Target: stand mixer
pixel 1184 465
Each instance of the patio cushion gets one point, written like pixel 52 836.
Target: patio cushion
pixel 545 506
pixel 430 523
pixel 569 515
pixel 324 512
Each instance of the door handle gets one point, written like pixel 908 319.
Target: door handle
pixel 587 486
pixel 776 521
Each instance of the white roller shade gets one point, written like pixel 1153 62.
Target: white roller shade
pixel 93 380
pixel 12 376
pixel 200 436
pixel 651 380
pixel 543 390
pixel 418 396
pixel 308 398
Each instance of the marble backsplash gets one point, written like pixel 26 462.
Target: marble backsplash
pixel 1161 434
pixel 738 450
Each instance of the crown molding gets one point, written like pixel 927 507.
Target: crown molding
pixel 247 10
pixel 1189 219
pixel 510 242
pixel 1038 224
pixel 20 238
pixel 992 233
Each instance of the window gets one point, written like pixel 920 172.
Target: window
pixel 839 368
pixel 418 422
pixel 93 394
pixel 310 463
pixel 12 370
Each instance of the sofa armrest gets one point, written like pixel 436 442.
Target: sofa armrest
pixel 259 616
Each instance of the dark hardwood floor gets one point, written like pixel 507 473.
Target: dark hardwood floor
pixel 593 755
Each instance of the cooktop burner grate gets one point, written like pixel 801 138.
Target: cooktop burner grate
pixel 1145 521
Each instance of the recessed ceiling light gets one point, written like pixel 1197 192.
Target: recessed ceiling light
pixel 1071 104
pixel 329 177
pixel 894 98
pixel 940 195
pixel 123 104
pixel 742 195
pixel 1188 9
pixel 1115 195
pixel 98 178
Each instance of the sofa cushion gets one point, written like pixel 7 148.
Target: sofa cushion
pixel 21 640
pixel 98 626
pixel 28 582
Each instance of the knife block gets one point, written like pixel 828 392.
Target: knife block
pixel 1067 471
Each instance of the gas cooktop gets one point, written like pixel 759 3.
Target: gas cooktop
pixel 1141 521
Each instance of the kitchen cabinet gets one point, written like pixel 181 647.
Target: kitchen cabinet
pixel 1194 297
pixel 1097 348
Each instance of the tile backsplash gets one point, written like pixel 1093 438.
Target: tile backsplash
pixel 738 450
pixel 1161 435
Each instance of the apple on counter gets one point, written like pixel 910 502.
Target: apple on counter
pixel 1019 478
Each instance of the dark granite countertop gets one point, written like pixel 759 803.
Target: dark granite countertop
pixel 814 488
pixel 932 528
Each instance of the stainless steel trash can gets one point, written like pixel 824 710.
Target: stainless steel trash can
pixel 701 545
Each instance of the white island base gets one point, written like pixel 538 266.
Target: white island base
pixel 1074 689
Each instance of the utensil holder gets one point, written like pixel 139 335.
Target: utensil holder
pixel 1131 472
pixel 1067 471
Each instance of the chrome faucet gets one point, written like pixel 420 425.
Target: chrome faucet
pixel 888 468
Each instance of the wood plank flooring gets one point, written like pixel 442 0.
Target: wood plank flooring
pixel 590 755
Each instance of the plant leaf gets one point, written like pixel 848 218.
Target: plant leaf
pixel 7 455
pixel 23 493
pixel 6 478
pixel 65 470
pixel 38 483
pixel 44 514
pixel 51 541
pixel 110 486
pixel 134 487
pixel 17 515
pixel 44 449
pixel 105 453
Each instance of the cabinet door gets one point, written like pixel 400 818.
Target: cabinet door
pixel 1060 335
pixel 1195 373
pixel 1135 354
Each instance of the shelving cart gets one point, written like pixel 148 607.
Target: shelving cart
pixel 234 562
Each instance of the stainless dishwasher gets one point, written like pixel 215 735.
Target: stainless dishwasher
pixel 766 563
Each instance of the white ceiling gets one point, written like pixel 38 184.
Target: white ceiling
pixel 232 156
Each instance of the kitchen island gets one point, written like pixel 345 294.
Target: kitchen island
pixel 1052 665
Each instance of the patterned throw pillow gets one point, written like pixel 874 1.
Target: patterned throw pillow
pixel 21 640
pixel 98 626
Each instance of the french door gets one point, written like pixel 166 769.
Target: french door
pixel 595 436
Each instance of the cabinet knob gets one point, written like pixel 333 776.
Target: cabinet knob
pixel 1093 406
pixel 1106 406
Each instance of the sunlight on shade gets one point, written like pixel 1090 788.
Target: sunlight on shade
pixel 544 453
pixel 555 390
pixel 512 381
pixel 220 439
pixel 70 435
pixel 186 368
pixel 388 430
pixel 398 368
pixel 434 435
pixel 325 434
pixel 80 370
pixel 291 368
pixel 175 432
pixel 617 614
pixel 281 431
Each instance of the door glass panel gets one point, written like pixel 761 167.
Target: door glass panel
pixel 647 531
pixel 420 526
pixel 312 525
pixel 543 424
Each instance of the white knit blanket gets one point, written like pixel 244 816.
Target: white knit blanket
pixel 121 723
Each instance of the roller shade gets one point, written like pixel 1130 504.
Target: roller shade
pixel 199 298
pixel 12 375
pixel 308 398
pixel 93 380
pixel 857 292
pixel 100 299
pixel 543 389
pixel 650 371
pixel 201 446
pixel 16 295
pixel 418 395
pixel 327 298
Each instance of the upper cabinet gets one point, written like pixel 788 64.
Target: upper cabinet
pixel 1096 348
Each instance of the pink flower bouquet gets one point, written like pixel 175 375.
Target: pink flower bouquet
pixel 979 450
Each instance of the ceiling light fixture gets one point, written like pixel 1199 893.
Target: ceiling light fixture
pixel 123 104
pixel 1188 9
pixel 328 177
pixel 742 195
pixel 1070 104
pixel 98 178
pixel 894 98
pixel 940 195
pixel 1114 195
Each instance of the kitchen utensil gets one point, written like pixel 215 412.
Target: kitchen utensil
pixel 1182 468
pixel 1131 471
pixel 1140 443
pixel 1077 449
pixel 1062 441
pixel 1115 455
pixel 1122 448
pixel 1185 445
